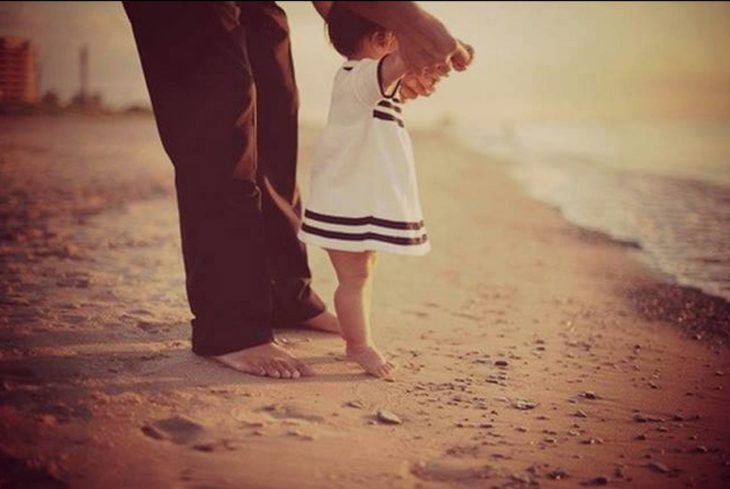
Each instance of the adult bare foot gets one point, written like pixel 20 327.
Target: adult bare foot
pixel 372 361
pixel 267 360
pixel 325 321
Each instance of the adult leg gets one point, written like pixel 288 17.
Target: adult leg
pixel 267 37
pixel 203 94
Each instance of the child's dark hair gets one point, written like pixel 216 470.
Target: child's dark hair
pixel 346 29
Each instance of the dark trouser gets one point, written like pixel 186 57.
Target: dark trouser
pixel 222 86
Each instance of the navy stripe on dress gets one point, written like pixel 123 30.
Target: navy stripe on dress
pixel 396 240
pixel 361 221
pixel 387 117
pixel 389 105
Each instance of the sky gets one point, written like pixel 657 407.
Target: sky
pixel 534 60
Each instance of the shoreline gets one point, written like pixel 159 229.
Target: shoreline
pixel 676 215
pixel 662 284
pixel 660 297
pixel 523 363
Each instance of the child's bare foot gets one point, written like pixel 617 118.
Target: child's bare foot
pixel 372 361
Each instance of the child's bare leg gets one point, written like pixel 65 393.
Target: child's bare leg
pixel 352 303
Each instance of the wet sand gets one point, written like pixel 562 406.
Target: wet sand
pixel 532 353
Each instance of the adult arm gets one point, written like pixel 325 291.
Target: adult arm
pixel 323 8
pixel 424 42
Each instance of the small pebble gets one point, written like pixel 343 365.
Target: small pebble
pixel 152 432
pixel 658 467
pixel 303 436
pixel 600 480
pixel 558 474
pixel 593 441
pixel 204 447
pixel 387 417
pixel 523 404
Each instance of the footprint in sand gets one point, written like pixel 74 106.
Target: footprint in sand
pixel 419 314
pixel 283 411
pixel 20 375
pixel 451 473
pixel 148 327
pixel 177 429
pixel 464 451
pixel 26 473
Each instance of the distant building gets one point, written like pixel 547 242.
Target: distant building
pixel 84 100
pixel 18 71
pixel 82 97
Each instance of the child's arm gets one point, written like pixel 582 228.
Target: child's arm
pixel 372 80
pixel 393 70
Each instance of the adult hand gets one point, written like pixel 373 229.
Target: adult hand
pixel 462 57
pixel 424 43
pixel 413 85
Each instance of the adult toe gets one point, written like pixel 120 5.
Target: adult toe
pixel 271 370
pixel 304 369
pixel 253 369
pixel 284 369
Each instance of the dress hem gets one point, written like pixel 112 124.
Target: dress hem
pixel 364 245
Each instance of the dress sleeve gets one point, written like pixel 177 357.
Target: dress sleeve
pixel 365 82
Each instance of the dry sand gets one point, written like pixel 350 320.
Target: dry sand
pixel 524 359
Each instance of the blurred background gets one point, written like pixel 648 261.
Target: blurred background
pixel 616 112
pixel 535 60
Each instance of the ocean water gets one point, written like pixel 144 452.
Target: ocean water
pixel 664 186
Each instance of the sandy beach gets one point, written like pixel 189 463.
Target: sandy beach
pixel 532 353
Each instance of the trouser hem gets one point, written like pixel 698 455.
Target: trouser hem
pixel 209 341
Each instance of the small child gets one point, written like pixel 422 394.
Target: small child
pixel 363 193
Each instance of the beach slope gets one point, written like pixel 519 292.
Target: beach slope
pixel 526 356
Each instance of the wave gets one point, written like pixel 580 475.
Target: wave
pixel 664 187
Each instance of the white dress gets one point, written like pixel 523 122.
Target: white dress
pixel 363 193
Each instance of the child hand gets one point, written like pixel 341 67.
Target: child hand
pixel 418 85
